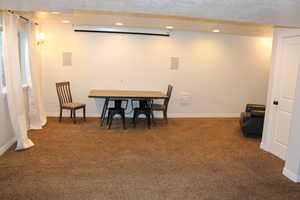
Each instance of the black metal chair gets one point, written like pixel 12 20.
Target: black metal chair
pixel 163 107
pixel 252 120
pixel 116 110
pixel 145 109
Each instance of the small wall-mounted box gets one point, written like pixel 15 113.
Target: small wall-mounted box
pixel 67 59
pixel 174 63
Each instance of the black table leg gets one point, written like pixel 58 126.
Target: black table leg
pixel 104 110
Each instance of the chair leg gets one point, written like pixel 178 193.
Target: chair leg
pixel 148 115
pixel 123 120
pixel 74 116
pixel 152 116
pixel 165 116
pixel 134 119
pixel 60 114
pixel 71 114
pixel 84 114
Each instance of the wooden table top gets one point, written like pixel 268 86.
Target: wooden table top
pixel 127 94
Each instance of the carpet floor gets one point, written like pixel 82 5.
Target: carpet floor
pixel 182 160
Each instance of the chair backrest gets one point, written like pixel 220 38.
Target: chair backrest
pixel 64 92
pixel 169 93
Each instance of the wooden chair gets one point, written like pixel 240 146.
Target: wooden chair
pixel 163 107
pixel 66 102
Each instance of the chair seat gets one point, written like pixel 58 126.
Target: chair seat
pixel 158 106
pixel 116 109
pixel 73 105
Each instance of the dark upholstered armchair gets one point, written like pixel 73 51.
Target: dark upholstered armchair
pixel 252 120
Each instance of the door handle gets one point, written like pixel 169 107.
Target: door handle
pixel 275 102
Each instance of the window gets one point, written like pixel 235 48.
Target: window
pixel 24 57
pixel 2 75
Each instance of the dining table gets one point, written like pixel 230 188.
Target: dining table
pixel 107 95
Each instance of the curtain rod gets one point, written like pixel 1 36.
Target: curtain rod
pixel 24 18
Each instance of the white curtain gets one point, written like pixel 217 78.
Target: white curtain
pixel 15 96
pixel 37 116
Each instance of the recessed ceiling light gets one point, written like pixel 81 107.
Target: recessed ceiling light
pixel 216 30
pixel 65 21
pixel 169 27
pixel 55 12
pixel 119 24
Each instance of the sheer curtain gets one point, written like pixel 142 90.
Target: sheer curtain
pixel 37 116
pixel 15 96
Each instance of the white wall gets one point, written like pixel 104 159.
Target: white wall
pixel 220 73
pixel 6 133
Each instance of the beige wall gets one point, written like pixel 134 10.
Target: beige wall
pixel 218 74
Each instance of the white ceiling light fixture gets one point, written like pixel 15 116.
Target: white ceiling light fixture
pixel 65 21
pixel 169 27
pixel 119 24
pixel 55 12
pixel 216 30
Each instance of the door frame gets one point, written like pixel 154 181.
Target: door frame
pixel 279 35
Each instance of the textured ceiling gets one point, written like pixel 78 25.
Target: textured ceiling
pixel 149 21
pixel 276 12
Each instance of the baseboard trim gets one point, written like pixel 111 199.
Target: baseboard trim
pixel 6 146
pixel 291 175
pixel 204 115
pixel 65 114
pixel 264 147
pixel 171 115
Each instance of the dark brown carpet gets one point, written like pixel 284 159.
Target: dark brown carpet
pixel 186 159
